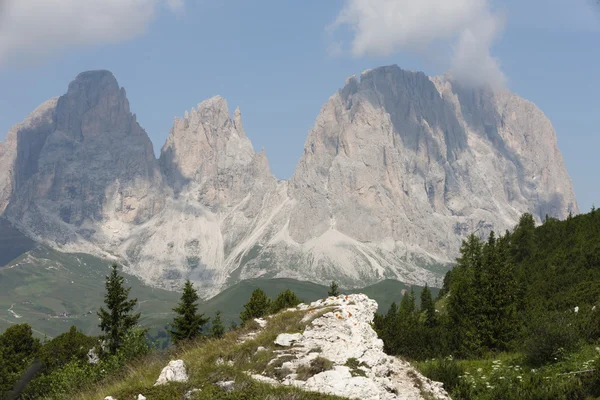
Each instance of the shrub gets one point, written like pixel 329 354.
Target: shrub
pixel 318 365
pixel 285 299
pixel 258 305
pixel 446 370
pixel 354 366
pixel 549 337
pixel 70 346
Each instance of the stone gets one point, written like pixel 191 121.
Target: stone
pixel 92 356
pixel 228 386
pixel 174 372
pixel 261 322
pixel 344 333
pixel 286 339
pixel 190 393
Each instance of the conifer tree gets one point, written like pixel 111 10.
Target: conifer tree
pixel 217 328
pixel 285 299
pixel 258 305
pixel 463 302
pixel 333 290
pixel 188 324
pixel 428 308
pixel 118 318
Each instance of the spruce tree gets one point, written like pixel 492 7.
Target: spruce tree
pixel 258 305
pixel 217 329
pixel 118 318
pixel 428 308
pixel 188 324
pixel 285 299
pixel 333 290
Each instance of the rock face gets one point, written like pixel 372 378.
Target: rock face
pixel 80 166
pixel 360 369
pixel 397 170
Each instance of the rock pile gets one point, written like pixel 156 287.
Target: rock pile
pixel 340 340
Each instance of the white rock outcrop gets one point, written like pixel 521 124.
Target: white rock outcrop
pixel 174 372
pixel 287 339
pixel 345 337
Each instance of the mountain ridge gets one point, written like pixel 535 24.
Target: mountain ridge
pixel 397 169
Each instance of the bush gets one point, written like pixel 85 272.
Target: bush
pixel 318 365
pixel 550 336
pixel 285 299
pixel 257 307
pixel 70 346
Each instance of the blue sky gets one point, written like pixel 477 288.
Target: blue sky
pixel 280 60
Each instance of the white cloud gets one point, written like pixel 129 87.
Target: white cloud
pixel 383 27
pixel 33 29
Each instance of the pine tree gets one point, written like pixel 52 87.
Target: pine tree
pixel 463 301
pixel 285 299
pixel 217 328
pixel 118 318
pixel 258 305
pixel 428 308
pixel 188 324
pixel 333 290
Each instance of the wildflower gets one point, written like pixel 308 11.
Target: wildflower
pixel 576 309
pixel 519 377
pixel 479 370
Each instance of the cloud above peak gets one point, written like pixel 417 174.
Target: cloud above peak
pixel 467 27
pixel 34 29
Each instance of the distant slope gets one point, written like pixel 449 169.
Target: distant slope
pixel 41 284
pixel 231 301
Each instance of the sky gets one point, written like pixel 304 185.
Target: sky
pixel 279 61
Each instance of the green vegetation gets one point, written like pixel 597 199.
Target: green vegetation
pixel 516 319
pixel 285 299
pixel 258 306
pixel 32 370
pixel 354 366
pixel 333 290
pixel 201 360
pixel 51 291
pixel 188 324
pixel 118 319
pixel 315 367
pixel 217 330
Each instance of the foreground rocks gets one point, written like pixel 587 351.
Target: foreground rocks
pixel 174 372
pixel 342 342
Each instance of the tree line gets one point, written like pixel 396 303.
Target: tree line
pixel 535 290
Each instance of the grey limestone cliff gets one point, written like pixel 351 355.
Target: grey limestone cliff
pixel 397 170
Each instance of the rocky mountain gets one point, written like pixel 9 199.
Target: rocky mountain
pixel 397 170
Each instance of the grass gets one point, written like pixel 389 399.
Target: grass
pixel 46 283
pixel 42 283
pixel 204 371
pixel 506 372
pixel 316 366
pixel 355 365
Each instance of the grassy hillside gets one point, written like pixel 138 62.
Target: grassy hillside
pixel 42 284
pixel 52 291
